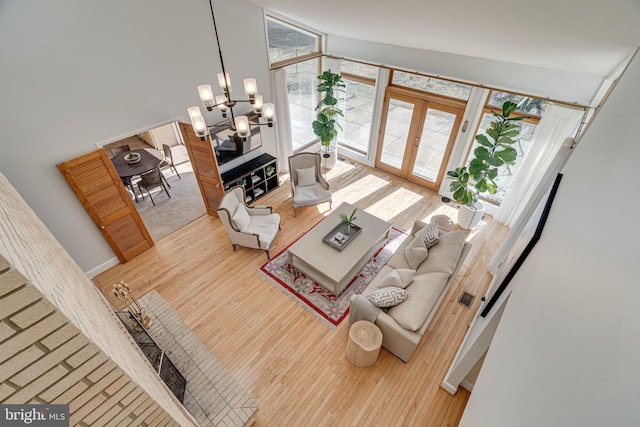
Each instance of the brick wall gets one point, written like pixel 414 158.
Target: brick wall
pixel 59 334
pixel 45 359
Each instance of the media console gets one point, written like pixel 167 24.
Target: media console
pixel 258 176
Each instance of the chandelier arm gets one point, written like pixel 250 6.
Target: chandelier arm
pixel 213 129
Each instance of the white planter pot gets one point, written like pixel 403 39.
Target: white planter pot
pixel 329 162
pixel 469 217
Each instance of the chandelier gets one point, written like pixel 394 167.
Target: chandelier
pixel 224 103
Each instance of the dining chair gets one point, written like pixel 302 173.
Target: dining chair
pixel 149 181
pixel 119 150
pixel 128 182
pixel 168 160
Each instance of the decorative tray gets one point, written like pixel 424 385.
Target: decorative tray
pixel 339 238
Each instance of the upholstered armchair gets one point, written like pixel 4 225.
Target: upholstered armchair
pixel 308 187
pixel 251 227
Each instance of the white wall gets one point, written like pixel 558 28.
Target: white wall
pixel 541 82
pixel 32 250
pixel 76 73
pixel 566 352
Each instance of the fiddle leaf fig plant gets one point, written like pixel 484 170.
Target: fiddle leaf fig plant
pixel 325 125
pixel 495 149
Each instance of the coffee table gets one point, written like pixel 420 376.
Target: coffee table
pixel 329 267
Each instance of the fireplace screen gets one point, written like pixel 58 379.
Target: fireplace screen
pixel 158 359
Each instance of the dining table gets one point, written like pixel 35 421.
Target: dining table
pixel 150 158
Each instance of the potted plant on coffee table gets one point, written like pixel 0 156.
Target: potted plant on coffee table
pixel 347 220
pixel 495 149
pixel 325 126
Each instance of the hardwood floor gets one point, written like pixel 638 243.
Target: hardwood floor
pixel 293 366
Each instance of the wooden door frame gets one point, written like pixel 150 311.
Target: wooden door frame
pixel 426 105
pixel 402 171
pixel 422 101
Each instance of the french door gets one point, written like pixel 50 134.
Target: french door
pixel 417 135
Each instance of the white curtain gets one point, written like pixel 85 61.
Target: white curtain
pixel 284 138
pixel 556 125
pixel 523 227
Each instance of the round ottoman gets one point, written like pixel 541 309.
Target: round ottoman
pixel 365 339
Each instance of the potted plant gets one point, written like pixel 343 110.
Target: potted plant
pixel 347 220
pixel 494 150
pixel 270 170
pixel 325 124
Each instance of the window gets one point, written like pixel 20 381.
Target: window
pixel 303 98
pixel 298 52
pixel 287 42
pixel 429 84
pixel 357 105
pixel 528 105
pixel 532 107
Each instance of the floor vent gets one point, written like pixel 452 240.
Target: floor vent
pixel 466 299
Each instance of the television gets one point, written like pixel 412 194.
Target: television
pixel 228 145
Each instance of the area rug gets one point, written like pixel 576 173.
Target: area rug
pixel 171 214
pixel 331 310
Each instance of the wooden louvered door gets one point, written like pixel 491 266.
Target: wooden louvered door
pixel 205 168
pixel 98 187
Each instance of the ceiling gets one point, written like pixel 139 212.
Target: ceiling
pixel 584 36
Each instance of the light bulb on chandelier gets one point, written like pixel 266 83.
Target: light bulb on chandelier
pixel 225 103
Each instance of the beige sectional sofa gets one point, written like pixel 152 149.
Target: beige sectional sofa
pixel 404 325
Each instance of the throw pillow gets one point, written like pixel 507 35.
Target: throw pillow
pixel 388 297
pixel 399 278
pixel 241 218
pixel 416 252
pixel 306 177
pixel 429 234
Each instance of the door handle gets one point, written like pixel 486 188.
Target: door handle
pixel 101 226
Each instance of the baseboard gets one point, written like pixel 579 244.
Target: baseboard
pixel 448 388
pixel 102 267
pixel 466 385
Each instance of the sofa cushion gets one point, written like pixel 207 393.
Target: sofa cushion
pixel 416 252
pixel 399 278
pixel 241 218
pixel 424 292
pixel 306 177
pixel 377 279
pixel 429 234
pixel 311 195
pixel 398 260
pixel 388 297
pixel 266 227
pixel 444 256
